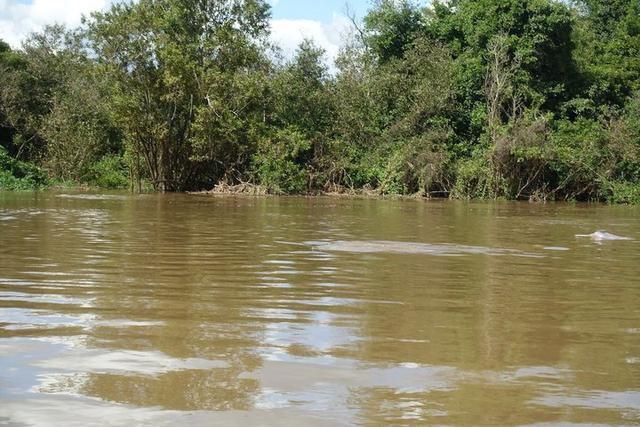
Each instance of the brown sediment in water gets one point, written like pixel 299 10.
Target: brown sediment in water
pixel 172 309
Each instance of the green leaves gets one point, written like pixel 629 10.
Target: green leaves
pixel 280 161
pixel 391 27
pixel 17 175
pixel 178 68
pixel 469 98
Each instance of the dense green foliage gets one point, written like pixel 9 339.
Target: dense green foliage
pixel 17 175
pixel 518 99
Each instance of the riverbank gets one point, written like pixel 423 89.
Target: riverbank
pixel 254 190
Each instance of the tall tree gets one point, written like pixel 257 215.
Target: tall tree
pixel 300 122
pixel 391 26
pixel 179 70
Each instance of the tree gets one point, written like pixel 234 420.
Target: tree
pixel 170 62
pixel 391 27
pixel 535 33
pixel 607 39
pixel 54 103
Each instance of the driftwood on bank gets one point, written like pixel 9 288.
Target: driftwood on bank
pixel 244 188
pixel 249 189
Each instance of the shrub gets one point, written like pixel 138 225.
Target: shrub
pixel 520 157
pixel 474 178
pixel 18 175
pixel 280 162
pixel 419 166
pixel 109 172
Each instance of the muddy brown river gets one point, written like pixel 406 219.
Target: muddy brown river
pixel 198 310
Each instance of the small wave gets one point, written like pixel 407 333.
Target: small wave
pixel 383 246
pixel 603 235
pixel 92 197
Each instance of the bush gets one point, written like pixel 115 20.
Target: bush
pixel 579 148
pixel 419 166
pixel 597 160
pixel 109 172
pixel 280 162
pixel 520 157
pixel 17 175
pixel 622 192
pixel 475 178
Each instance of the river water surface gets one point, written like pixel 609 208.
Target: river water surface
pixel 191 310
